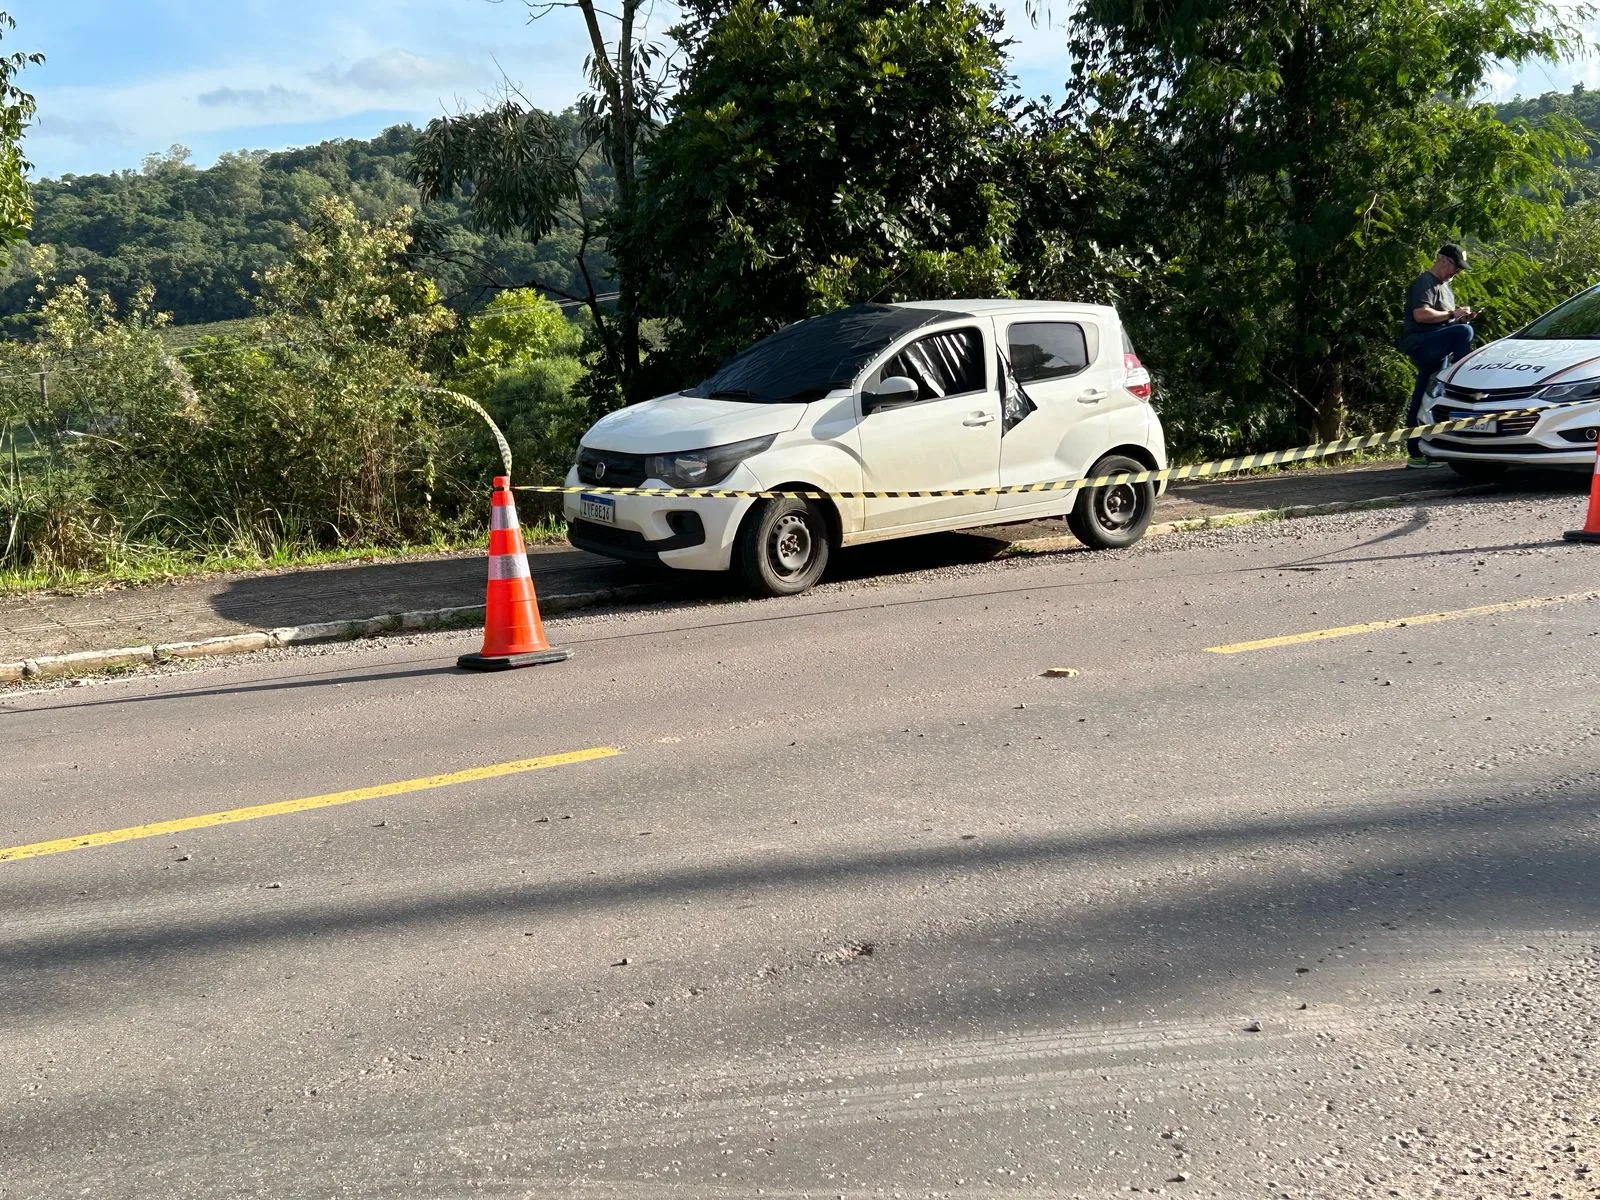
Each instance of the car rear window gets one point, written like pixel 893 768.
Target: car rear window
pixel 1577 318
pixel 943 364
pixel 1043 350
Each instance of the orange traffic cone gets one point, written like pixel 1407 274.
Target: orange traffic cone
pixel 1591 526
pixel 513 635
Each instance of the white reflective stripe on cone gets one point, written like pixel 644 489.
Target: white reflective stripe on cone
pixel 508 566
pixel 503 516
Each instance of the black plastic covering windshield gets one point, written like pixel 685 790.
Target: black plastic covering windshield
pixel 1578 318
pixel 809 359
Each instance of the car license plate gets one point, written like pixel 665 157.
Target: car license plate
pixel 600 509
pixel 1492 425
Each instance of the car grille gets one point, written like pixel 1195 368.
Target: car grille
pixel 610 469
pixel 1453 441
pixel 1468 395
pixel 1517 426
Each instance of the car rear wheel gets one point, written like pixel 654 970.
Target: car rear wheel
pixel 1108 518
pixel 1478 472
pixel 783 547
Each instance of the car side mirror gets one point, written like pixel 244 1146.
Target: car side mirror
pixel 897 389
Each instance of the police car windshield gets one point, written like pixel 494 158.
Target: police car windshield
pixel 1577 318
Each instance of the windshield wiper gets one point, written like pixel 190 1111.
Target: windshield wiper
pixel 733 394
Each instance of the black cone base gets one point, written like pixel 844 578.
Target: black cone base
pixel 1582 535
pixel 504 662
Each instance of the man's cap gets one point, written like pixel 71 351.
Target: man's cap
pixel 1455 254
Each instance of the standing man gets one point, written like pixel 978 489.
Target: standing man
pixel 1436 328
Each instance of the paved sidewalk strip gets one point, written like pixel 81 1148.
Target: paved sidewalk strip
pixel 233 613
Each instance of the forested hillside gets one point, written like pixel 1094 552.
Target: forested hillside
pixel 1583 106
pixel 201 238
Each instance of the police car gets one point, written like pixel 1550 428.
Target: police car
pixel 1553 361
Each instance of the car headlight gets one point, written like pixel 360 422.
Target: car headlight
pixel 703 468
pixel 1579 389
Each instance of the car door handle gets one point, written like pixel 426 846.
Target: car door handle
pixel 1091 395
pixel 979 418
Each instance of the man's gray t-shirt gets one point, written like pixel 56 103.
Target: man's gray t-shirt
pixel 1427 291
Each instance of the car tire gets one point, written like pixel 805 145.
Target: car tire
pixel 1478 472
pixel 783 547
pixel 1109 518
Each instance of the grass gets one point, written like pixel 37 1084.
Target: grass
pixel 151 565
pixel 181 337
pixel 1357 458
pixel 1380 454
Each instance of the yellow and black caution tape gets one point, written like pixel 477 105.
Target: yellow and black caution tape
pixel 469 402
pixel 1221 466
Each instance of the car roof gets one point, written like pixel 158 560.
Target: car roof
pixel 1008 308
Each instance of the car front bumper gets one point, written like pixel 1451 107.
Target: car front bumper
pixel 1557 437
pixel 676 531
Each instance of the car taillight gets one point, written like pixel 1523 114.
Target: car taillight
pixel 1136 379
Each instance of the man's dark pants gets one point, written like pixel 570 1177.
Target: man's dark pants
pixel 1427 352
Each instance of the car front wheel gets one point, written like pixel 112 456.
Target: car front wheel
pixel 783 547
pixel 1108 518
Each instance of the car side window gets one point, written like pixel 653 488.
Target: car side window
pixel 1042 350
pixel 942 364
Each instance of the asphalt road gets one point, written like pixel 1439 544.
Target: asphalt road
pixel 865 905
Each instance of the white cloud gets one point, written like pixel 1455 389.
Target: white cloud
pixel 90 131
pixel 1536 78
pixel 273 99
pixel 351 67
pixel 396 71
pixel 206 104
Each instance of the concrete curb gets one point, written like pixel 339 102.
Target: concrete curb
pixel 1250 516
pixel 59 666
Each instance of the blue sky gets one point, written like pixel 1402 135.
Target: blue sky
pixel 128 77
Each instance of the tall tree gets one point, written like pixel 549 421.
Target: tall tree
pixel 521 175
pixel 1306 157
pixel 16 110
pixel 819 153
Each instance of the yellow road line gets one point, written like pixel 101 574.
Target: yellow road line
pixel 283 807
pixel 1460 614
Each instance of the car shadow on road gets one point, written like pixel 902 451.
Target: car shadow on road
pixel 371 589
pixel 905 556
pixel 350 591
pixel 1292 488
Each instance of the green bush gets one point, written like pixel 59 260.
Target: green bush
pixel 542 417
pixel 521 362
pixel 313 431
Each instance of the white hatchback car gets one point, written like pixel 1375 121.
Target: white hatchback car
pixel 939 395
pixel 1554 360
